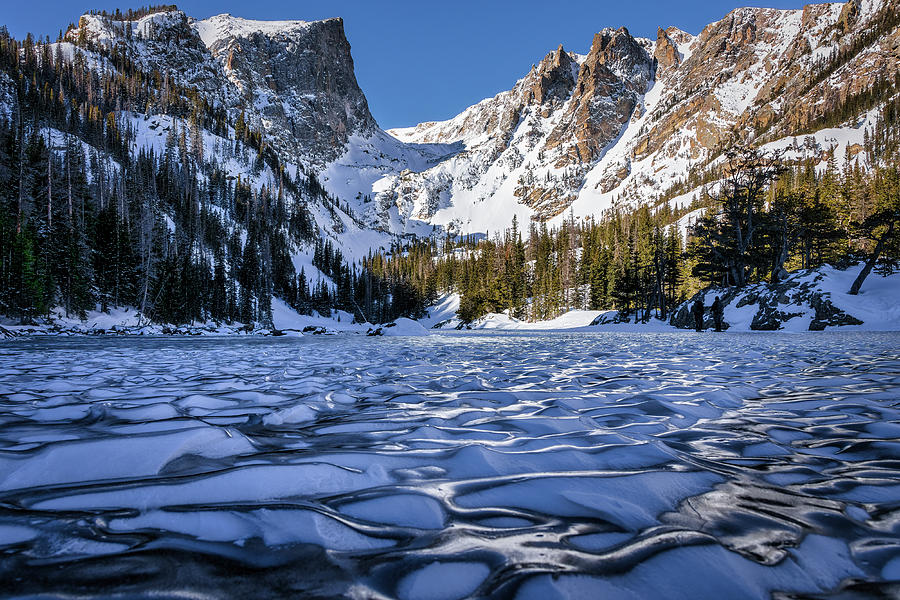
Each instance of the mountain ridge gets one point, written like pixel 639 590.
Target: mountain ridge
pixel 577 135
pixel 228 142
pixel 723 84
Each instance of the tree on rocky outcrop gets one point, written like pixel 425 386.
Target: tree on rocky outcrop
pixel 728 236
pixel 882 225
pixel 784 225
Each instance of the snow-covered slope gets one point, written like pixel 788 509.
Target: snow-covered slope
pixel 811 300
pixel 578 134
pixel 625 122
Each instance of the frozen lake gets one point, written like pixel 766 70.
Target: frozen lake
pixel 509 466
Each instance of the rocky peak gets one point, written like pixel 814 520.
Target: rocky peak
pixel 300 74
pixel 552 80
pixel 613 76
pixel 666 53
pixel 294 80
pixel 608 143
pixel 620 54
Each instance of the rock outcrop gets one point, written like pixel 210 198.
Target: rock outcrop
pixel 552 80
pixel 799 301
pixel 301 78
pixel 666 53
pixel 641 113
pixel 612 78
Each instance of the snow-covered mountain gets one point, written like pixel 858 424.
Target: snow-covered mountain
pixel 578 134
pixel 294 79
pixel 291 81
pixel 627 121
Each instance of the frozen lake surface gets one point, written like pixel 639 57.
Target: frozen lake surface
pixel 508 466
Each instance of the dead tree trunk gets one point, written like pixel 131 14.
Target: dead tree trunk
pixel 867 268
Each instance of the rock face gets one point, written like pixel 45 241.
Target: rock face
pixel 552 81
pixel 299 75
pixel 532 145
pixel 637 114
pixel 612 79
pixel 666 52
pixel 293 80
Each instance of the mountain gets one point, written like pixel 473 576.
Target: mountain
pixel 297 76
pixel 242 154
pixel 293 82
pixel 627 122
pixel 154 161
pixel 295 79
pixel 623 124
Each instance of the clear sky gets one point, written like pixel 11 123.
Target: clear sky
pixel 420 60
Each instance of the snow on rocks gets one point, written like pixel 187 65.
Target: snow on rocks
pixel 806 301
pixel 402 327
pixel 224 26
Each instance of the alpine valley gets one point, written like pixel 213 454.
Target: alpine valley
pixel 195 169
pixel 513 406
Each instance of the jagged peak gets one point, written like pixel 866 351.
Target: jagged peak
pixel 556 59
pixel 666 52
pixel 614 42
pixel 608 35
pixel 552 78
pixel 621 53
pixel 679 36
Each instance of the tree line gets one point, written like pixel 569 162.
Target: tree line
pixel 87 223
pixel 765 217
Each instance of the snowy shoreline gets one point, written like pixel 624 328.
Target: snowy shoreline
pixel 812 300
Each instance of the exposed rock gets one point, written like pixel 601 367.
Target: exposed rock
pixel 666 53
pixel 552 80
pixel 303 79
pixel 614 75
pixel 796 297
pixel 849 16
pixel 294 80
pixel 746 76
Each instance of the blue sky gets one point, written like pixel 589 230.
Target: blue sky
pixel 423 60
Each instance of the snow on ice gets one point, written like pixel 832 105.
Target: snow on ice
pixel 503 464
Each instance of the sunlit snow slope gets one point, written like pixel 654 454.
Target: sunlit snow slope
pixel 626 121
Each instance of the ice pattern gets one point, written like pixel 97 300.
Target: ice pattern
pixel 499 465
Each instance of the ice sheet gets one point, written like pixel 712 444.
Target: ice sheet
pixel 510 464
